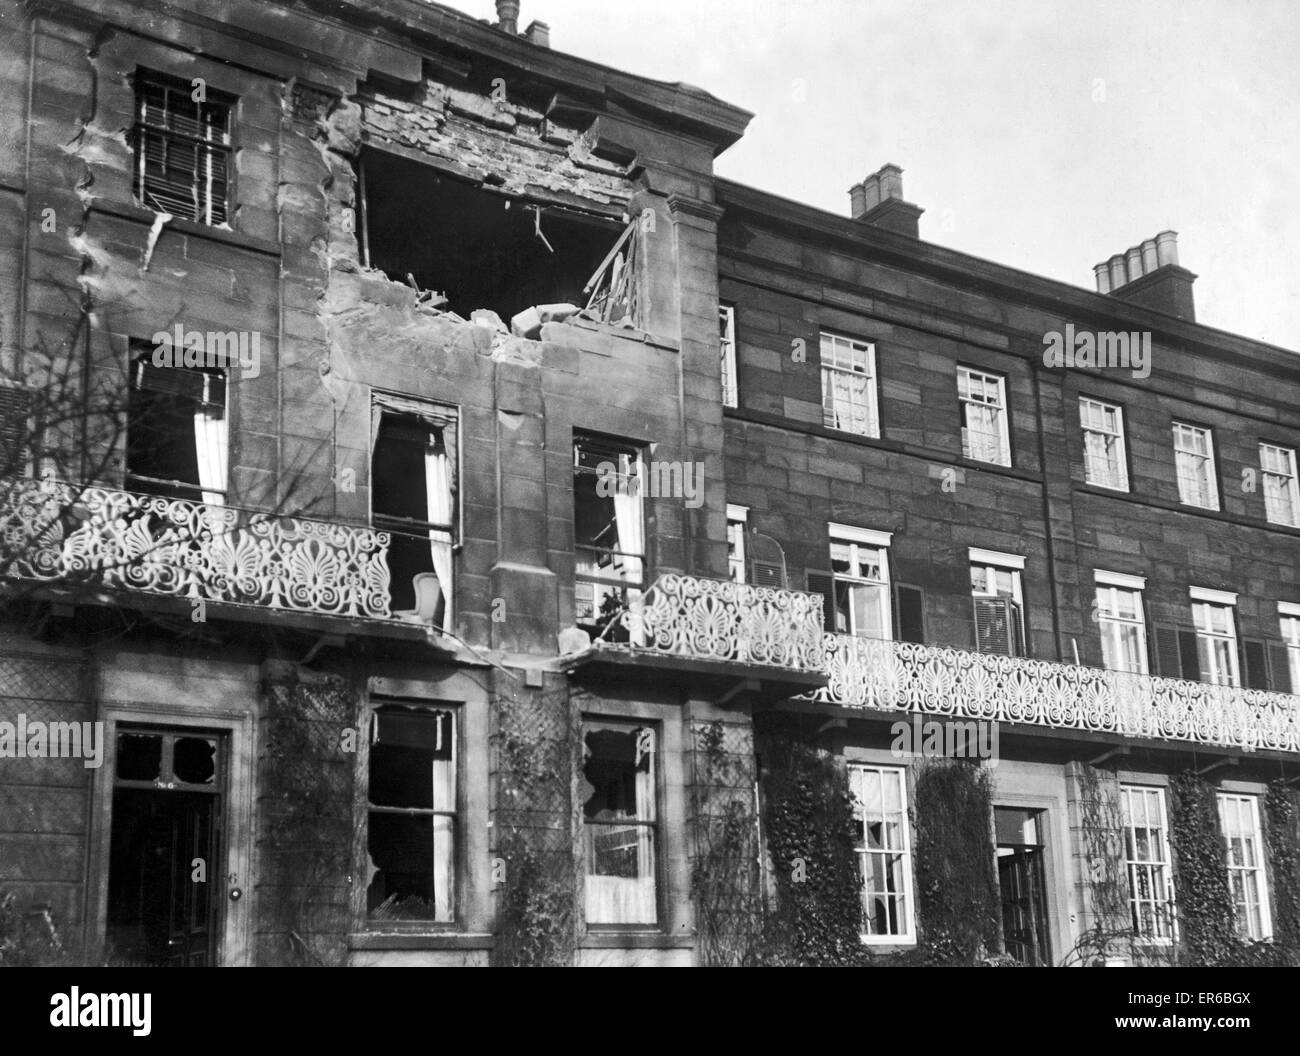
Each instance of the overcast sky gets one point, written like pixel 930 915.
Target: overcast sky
pixel 1042 134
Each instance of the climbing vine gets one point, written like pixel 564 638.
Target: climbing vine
pixel 808 815
pixel 1205 910
pixel 726 884
pixel 534 871
pixel 958 908
pixel 1282 831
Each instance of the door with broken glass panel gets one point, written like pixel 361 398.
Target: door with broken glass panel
pixel 165 853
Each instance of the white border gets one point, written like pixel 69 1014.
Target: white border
pixel 1214 597
pixel 867 536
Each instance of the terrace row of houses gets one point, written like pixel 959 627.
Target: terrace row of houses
pixel 444 498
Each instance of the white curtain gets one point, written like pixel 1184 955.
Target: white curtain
pixel 210 442
pixel 627 518
pixel 437 483
pixel 444 798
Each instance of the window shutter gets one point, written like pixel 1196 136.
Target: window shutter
pixel 1190 656
pixel 909 614
pixel 15 407
pixel 1254 655
pixel 1280 669
pixel 824 584
pixel 1169 663
pixel 994 630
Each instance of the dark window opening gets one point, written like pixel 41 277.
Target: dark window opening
pixel 619 815
pixel 480 249
pixel 412 828
pixel 176 436
pixel 182 148
pixel 609 534
pixel 413 470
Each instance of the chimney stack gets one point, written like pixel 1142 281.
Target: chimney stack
pixel 538 33
pixel 878 200
pixel 508 16
pixel 1149 275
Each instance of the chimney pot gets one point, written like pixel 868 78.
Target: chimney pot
pixel 1167 248
pixel 857 200
pixel 508 16
pixel 1149 261
pixel 538 33
pixel 1117 275
pixel 1133 263
pixel 891 181
pixel 871 192
pixel 1102 272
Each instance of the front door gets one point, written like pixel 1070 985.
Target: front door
pixel 165 848
pixel 1021 876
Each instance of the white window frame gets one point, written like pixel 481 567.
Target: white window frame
pixel 1157 865
pixel 979 389
pixel 906 935
pixel 1111 624
pixel 737 520
pixel 727 355
pixel 1288 614
pixel 840 357
pixel 1093 419
pixel 1239 819
pixel 1285 483
pixel 1204 603
pixel 1191 464
pixel 862 542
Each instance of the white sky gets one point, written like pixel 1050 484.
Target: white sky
pixel 1042 134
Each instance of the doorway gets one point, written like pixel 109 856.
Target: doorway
pixel 1022 878
pixel 165 849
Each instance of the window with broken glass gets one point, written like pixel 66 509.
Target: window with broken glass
pixel 413 489
pixel 609 533
pixel 182 148
pixel 620 823
pixel 177 431
pixel 411 815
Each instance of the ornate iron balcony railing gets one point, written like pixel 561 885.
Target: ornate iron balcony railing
pixel 51 531
pixel 952 683
pixel 707 619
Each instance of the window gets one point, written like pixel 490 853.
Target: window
pixel 999 607
pixel 413 486
pixel 1216 636
pixel 1239 816
pixel 620 827
pixel 176 433
pixel 609 530
pixel 860 566
pixel 849 385
pixel 1290 620
pixel 884 852
pixel 411 836
pixel 984 435
pixel 182 149
pixel 1150 872
pixel 737 518
pixel 1281 488
pixel 1194 455
pixel 1103 444
pixel 1121 622
pixel 727 342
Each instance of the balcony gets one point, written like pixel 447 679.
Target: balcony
pixel 177 548
pixel 951 683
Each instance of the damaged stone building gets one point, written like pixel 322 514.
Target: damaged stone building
pixel 458 518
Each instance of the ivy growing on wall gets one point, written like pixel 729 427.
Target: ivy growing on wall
pixel 958 907
pixel 1282 837
pixel 808 816
pixel 1205 911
